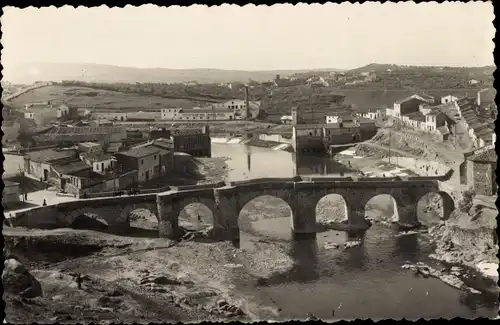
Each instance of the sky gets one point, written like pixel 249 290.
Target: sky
pixel 253 37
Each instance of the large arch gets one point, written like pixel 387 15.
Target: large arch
pixel 432 207
pixel 332 209
pixel 382 208
pixel 265 215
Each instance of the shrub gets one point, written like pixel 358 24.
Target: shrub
pixel 465 203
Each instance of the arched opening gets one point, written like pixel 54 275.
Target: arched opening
pixel 89 221
pixel 196 217
pixel 264 217
pixel 331 212
pixel 382 208
pixel 434 207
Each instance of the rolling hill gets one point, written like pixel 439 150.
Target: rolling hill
pixel 378 68
pixel 31 72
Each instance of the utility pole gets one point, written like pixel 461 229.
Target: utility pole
pixel 390 139
pixel 23 190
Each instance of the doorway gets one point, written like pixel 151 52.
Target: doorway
pixel 45 175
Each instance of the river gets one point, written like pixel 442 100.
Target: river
pixel 361 282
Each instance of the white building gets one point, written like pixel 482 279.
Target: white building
pixel 170 113
pixel 448 99
pixel 62 111
pixel 29 115
pixel 338 118
pixel 100 162
pixel 372 115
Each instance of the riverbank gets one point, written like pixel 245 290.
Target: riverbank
pixel 469 241
pixel 154 283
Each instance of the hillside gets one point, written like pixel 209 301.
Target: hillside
pixel 31 72
pixel 89 97
pixel 377 68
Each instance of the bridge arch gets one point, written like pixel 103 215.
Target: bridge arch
pixel 89 221
pixel 382 208
pixel 195 213
pixel 265 215
pixel 434 206
pixel 332 208
pixel 109 215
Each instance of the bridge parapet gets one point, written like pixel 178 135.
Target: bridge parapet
pixel 198 187
pixel 266 180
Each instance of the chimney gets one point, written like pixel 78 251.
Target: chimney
pixel 247 103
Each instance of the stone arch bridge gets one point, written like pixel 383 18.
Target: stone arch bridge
pixel 226 200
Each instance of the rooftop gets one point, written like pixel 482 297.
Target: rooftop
pixel 97 156
pixel 140 152
pixel 89 144
pixel 10 183
pixel 205 110
pixel 416 116
pixel 434 113
pixel 72 167
pixel 49 155
pixel 186 132
pixel 485 156
pixel 415 96
pixel 87 130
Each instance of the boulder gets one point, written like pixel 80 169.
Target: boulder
pixel 17 280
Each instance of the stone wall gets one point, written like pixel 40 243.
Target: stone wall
pixel 112 211
pixel 483 175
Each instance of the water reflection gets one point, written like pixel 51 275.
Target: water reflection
pixel 253 162
pixel 374 266
pixel 305 269
pixel 305 255
pixel 473 302
pixel 407 247
pixel 355 258
pixel 318 164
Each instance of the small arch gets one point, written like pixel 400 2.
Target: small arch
pixel 433 207
pixel 265 215
pixel 89 221
pixel 196 216
pixel 331 210
pixel 382 208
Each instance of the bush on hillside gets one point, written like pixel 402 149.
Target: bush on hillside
pixel 466 202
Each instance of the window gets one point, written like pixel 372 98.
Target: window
pixel 142 161
pixel 154 157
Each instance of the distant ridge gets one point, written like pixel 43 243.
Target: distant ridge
pixel 378 67
pixel 90 72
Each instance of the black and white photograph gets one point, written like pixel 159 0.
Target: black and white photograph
pixel 181 164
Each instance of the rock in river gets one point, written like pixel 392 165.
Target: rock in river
pixel 17 280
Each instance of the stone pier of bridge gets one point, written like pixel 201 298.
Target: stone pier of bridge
pixel 226 203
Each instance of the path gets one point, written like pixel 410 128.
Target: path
pixel 382 147
pixel 36 198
